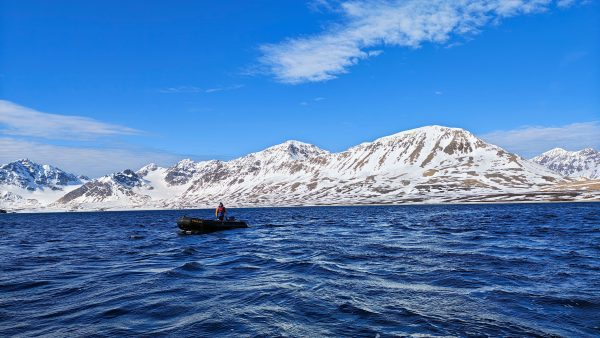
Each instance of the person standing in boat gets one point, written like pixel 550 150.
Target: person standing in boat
pixel 220 212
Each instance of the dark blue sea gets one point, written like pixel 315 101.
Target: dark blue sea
pixel 460 270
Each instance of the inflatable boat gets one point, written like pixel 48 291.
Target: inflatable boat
pixel 199 225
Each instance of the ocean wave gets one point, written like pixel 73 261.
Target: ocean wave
pixel 473 270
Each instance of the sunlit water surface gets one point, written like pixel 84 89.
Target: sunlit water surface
pixel 497 270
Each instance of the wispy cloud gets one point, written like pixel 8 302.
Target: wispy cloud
pixel 565 3
pixel 368 25
pixel 316 99
pixel 321 5
pixel 192 89
pixel 90 161
pixel 531 141
pixel 27 133
pixel 23 121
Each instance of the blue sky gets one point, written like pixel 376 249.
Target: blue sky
pixel 99 86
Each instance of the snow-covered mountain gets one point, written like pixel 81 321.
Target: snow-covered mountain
pixel 429 164
pixel 32 176
pixel 584 163
pixel 115 190
pixel 26 183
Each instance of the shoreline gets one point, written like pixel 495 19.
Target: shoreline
pixel 308 206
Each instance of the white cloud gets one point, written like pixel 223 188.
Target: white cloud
pixel 88 161
pixel 564 3
pixel 181 89
pixel 367 25
pixel 316 99
pixel 192 89
pixel 23 121
pixel 532 141
pixel 220 89
pixel 26 127
pixel 320 5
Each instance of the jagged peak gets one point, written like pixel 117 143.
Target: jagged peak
pixel 294 149
pixel 185 163
pixel 292 143
pixel 147 168
pixel 128 172
pixel 583 163
pixel 28 174
pixel 151 166
pixel 126 177
pixel 24 162
pixel 556 152
pixel 33 167
pixel 587 151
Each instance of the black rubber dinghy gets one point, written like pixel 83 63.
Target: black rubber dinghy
pixel 199 225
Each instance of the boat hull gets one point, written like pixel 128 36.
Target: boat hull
pixel 199 225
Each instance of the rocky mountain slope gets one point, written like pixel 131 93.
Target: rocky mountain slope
pixel 115 190
pixel 26 183
pixel 32 176
pixel 429 164
pixel 579 164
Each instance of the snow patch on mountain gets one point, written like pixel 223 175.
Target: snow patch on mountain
pixel 578 164
pixel 431 164
pixel 26 184
pixel 32 176
pixel 112 190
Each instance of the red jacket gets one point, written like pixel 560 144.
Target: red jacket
pixel 220 211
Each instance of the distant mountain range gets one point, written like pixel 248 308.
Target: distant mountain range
pixel 432 164
pixel 28 185
pixel 584 163
pixel 32 176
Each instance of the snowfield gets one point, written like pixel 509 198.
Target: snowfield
pixel 584 163
pixel 431 164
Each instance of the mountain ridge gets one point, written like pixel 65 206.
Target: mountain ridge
pixel 24 183
pixel 583 163
pixel 432 164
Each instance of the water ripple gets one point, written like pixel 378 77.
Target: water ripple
pixel 472 270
